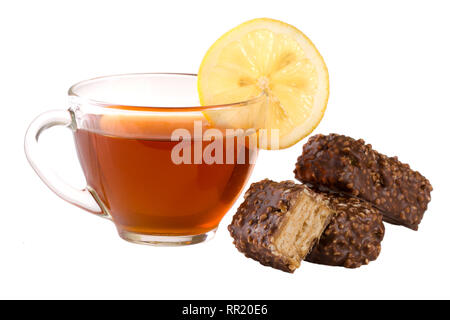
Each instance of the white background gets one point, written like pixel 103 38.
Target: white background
pixel 389 76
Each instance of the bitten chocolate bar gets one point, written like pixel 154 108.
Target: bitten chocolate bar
pixel 342 164
pixel 278 223
pixel 353 236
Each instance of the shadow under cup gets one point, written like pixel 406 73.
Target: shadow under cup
pixel 152 162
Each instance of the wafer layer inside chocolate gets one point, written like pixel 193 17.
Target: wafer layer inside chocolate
pixel 302 226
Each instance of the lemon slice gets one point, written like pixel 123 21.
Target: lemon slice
pixel 269 58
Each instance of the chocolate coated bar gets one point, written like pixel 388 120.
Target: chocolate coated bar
pixel 353 236
pixel 342 164
pixel 278 223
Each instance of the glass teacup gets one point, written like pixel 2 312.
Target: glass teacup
pixel 153 163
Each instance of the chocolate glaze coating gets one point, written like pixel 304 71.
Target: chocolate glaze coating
pixel 353 237
pixel 342 164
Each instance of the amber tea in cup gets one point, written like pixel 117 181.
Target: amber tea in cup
pixel 144 148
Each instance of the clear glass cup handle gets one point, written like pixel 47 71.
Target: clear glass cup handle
pixel 81 198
